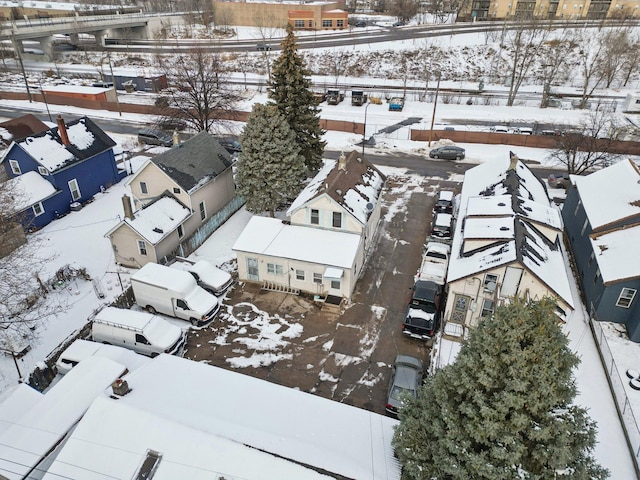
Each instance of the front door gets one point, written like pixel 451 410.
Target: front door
pixel 252 269
pixel 460 306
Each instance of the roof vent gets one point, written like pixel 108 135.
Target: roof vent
pixel 504 229
pixel 120 387
pixel 359 160
pixel 149 466
pixel 338 191
pixel 158 230
pixel 502 204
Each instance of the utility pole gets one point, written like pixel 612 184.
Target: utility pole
pixel 435 103
pixel 24 75
pixel 44 97
pixel 113 80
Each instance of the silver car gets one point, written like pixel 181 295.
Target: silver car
pixel 406 378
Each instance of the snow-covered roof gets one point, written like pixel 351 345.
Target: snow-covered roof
pixel 30 437
pixel 86 140
pixel 29 189
pixel 74 89
pixel 271 237
pixel 518 205
pixel 156 220
pixel 205 421
pixel 352 182
pixel 611 194
pixel 613 253
pixel 15 401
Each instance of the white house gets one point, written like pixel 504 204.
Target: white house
pixel 507 243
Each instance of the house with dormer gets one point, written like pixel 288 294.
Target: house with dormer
pixel 602 219
pixel 190 183
pixel 63 166
pixel 321 247
pixel 507 243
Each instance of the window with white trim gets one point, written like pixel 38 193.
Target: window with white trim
pixel 597 277
pixel 317 278
pixel 74 189
pixel 337 219
pixel 626 297
pixel 15 167
pixel 275 269
pixel 142 247
pixel 490 282
pixel 143 188
pixel 575 212
pixel 327 23
pixel 180 231
pixel 584 227
pixel 38 209
pixel 298 23
pixel 315 217
pixel 300 275
pixel 487 308
pixel 43 171
pixel 335 284
pixel 340 23
pixel 591 258
pixel 203 212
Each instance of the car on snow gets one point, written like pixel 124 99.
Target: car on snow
pixel 449 152
pixel 213 279
pixel 559 180
pixel 422 319
pixel 263 47
pixel 444 202
pixel 406 377
pixel 155 137
pixel 442 225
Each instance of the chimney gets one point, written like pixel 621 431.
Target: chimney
pixel 176 138
pixel 514 161
pixel 126 204
pixel 62 131
pixel 342 162
pixel 120 387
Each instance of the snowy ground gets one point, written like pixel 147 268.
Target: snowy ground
pixel 77 239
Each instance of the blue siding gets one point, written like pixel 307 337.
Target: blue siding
pixel 27 164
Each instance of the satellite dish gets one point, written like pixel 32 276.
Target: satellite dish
pixel 369 207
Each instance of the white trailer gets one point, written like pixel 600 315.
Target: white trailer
pixel 173 292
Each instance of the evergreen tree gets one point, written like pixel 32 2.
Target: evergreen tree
pixel 504 409
pixel 290 92
pixel 270 165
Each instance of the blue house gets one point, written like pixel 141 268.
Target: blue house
pixel 602 218
pixel 59 167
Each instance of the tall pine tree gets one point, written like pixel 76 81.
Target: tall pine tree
pixel 290 91
pixel 504 409
pixel 270 165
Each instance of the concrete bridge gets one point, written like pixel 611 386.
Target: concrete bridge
pixel 42 30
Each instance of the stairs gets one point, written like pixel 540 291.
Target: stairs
pixel 278 287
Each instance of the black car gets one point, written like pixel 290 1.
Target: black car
pixel 444 202
pixel 360 24
pixel 449 152
pixel 442 225
pixel 422 319
pixel 155 137
pixel 263 47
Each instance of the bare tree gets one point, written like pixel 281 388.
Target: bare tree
pixel 405 10
pixel 523 44
pixel 339 60
pixel 200 93
pixel 616 43
pixel 441 9
pixel 591 57
pixel 224 19
pixel 555 56
pixel 631 59
pixel 268 26
pixel 589 144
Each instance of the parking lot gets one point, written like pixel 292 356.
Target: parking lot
pixel 343 355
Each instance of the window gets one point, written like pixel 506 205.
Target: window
pixel 203 211
pixel 597 277
pixel 180 231
pixel 275 269
pixel 143 188
pixel 298 23
pixel 300 275
pixel 490 282
pixel 340 23
pixel 75 190
pixel 15 167
pixel 593 255
pixel 626 297
pixel 315 217
pixel 141 339
pixel 176 190
pixel 337 220
pixel 327 23
pixel 38 209
pixel 311 26
pixel 317 278
pixel 142 247
pixel 43 171
pixel 182 304
pixel 335 284
pixel 575 212
pixel 487 308
pixel 584 227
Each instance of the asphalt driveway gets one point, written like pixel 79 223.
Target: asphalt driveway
pixel 343 355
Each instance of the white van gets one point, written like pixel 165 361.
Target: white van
pixel 80 350
pixel 167 290
pixel 213 279
pixel 138 331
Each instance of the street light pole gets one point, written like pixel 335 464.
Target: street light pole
pixel 435 103
pixel 364 129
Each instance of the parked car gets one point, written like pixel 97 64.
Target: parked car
pixel 522 130
pixel 208 276
pixel 559 180
pixel 444 202
pixel 422 319
pixel 171 124
pixel 231 145
pixel 360 24
pixel 406 377
pixel 263 47
pixel 399 24
pixel 449 152
pixel 155 137
pixel 499 129
pixel 441 225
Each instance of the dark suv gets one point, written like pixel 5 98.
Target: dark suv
pixel 444 202
pixel 155 137
pixel 422 319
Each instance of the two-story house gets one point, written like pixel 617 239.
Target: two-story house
pixel 507 243
pixel 194 176
pixel 59 167
pixel 602 218
pixel 322 246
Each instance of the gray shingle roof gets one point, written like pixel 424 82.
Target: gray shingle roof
pixel 194 161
